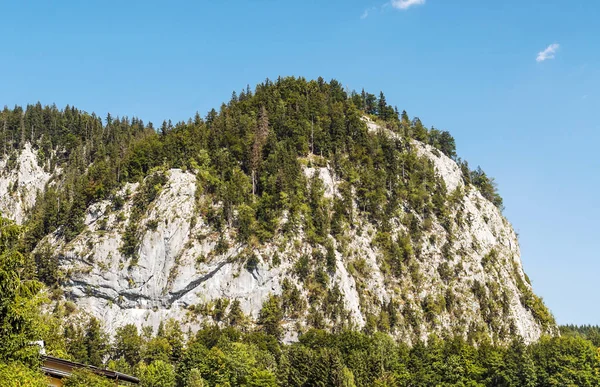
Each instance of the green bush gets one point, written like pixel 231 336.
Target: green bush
pixel 18 375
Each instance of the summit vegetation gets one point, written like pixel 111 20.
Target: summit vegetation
pixel 248 156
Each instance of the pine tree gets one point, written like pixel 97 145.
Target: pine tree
pixel 19 301
pixel 236 315
pixel 195 379
pixel 260 139
pixel 164 128
pixel 95 343
pixel 270 317
pixel 371 104
pixel 419 131
pixel 128 344
pixel 382 110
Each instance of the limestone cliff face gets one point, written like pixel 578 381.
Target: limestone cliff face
pixel 20 181
pixel 465 281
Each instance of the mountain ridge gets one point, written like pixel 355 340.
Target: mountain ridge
pixel 413 250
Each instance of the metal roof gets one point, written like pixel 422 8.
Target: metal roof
pixel 74 365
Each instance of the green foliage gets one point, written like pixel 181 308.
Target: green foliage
pixel 445 271
pixel 302 267
pixel 157 348
pixel 47 265
pixel 95 342
pixel 17 374
pixel 487 186
pixel 330 257
pixel 85 341
pixel 567 361
pixel 20 301
pixel 236 316
pixel 221 357
pixel 127 344
pixel 252 263
pixel 157 374
pixel 270 316
pixel 171 331
pixel 262 378
pixel 443 141
pixel 588 332
pixel 86 378
pixel 195 379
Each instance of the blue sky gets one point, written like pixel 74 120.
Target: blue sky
pixel 467 66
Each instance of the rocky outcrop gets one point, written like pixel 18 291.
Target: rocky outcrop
pixel 459 276
pixel 20 181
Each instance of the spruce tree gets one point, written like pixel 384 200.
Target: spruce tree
pixel 95 343
pixel 19 301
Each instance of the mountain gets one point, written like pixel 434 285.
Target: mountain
pixel 296 201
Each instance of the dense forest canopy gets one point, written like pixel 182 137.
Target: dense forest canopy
pixel 247 156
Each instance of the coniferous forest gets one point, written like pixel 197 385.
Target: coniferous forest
pixel 247 156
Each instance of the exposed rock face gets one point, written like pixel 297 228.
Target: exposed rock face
pixel 464 281
pixel 20 183
pixel 170 273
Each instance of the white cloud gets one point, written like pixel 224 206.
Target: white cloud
pixel 548 53
pixel 398 4
pixel 368 12
pixel 406 4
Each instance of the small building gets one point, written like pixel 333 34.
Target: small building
pixel 58 369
